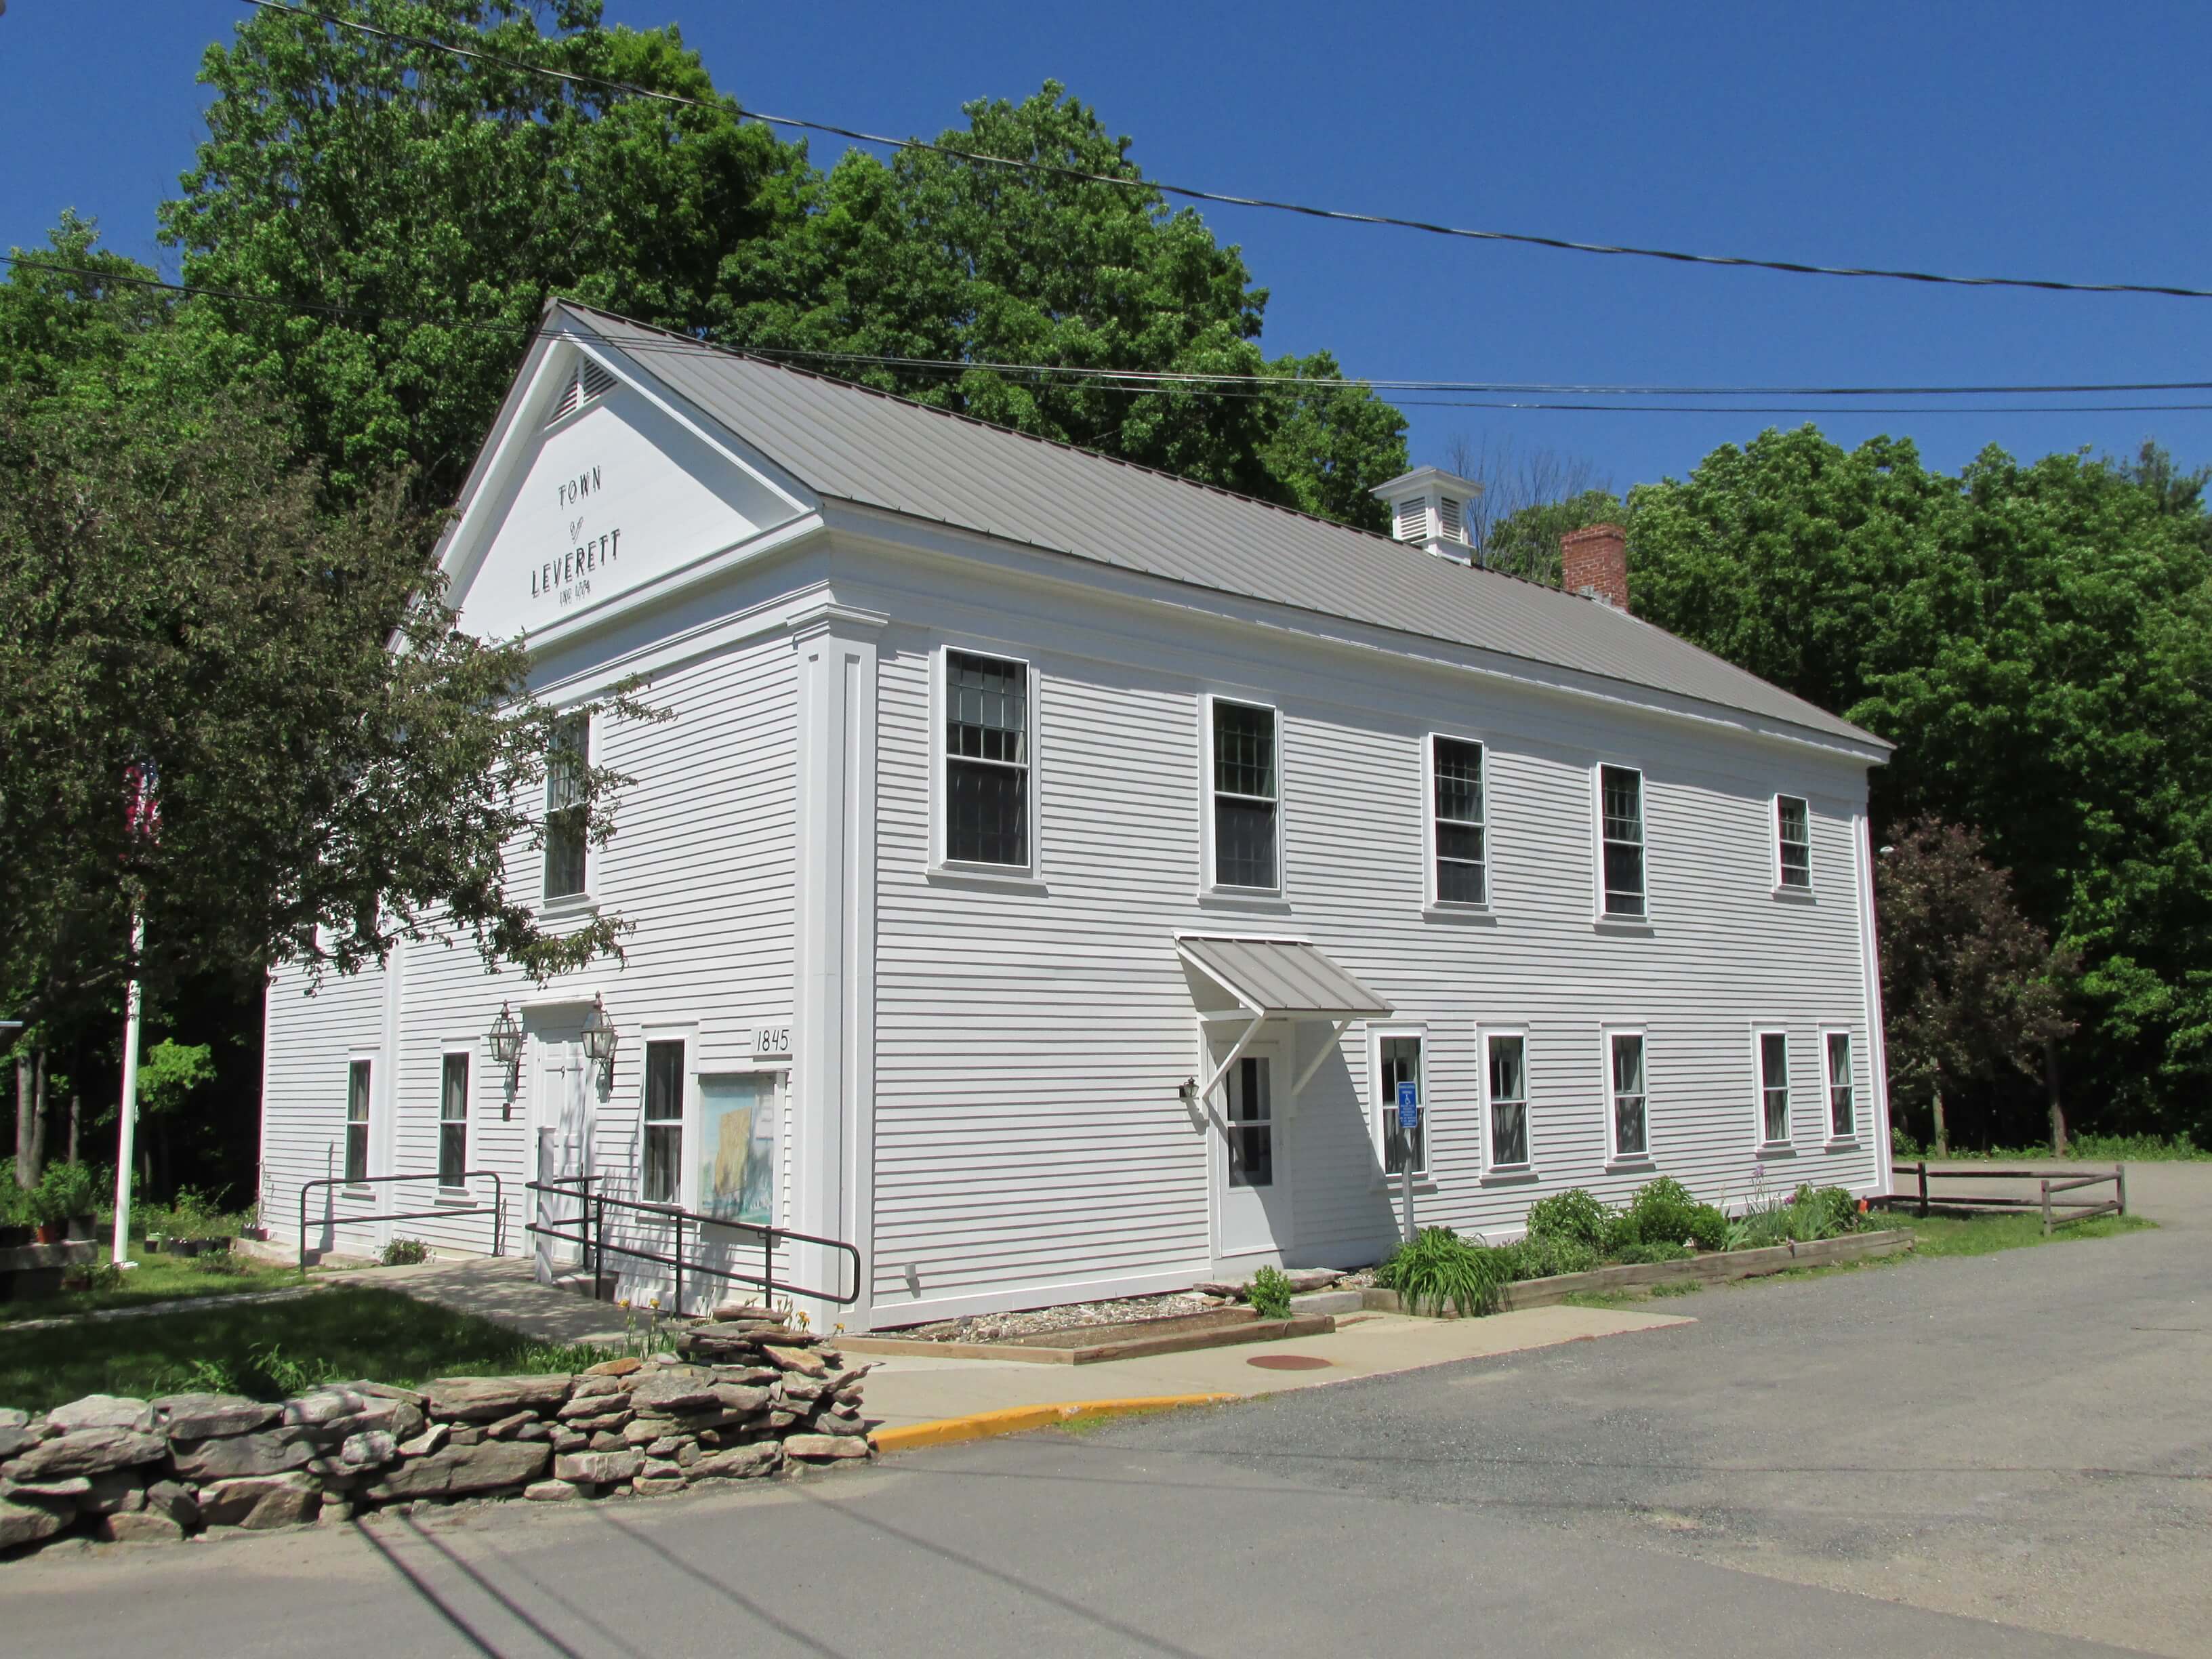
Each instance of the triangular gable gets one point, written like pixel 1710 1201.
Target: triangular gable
pixel 596 486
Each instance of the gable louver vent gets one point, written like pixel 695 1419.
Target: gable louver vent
pixel 1448 517
pixel 590 380
pixel 1413 521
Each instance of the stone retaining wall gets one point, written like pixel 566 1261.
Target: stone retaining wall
pixel 744 1397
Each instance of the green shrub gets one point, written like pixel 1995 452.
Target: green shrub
pixel 1661 1213
pixel 1269 1293
pixel 1439 1269
pixel 1573 1216
pixel 1837 1211
pixel 65 1192
pixel 1545 1258
pixel 405 1252
pixel 1658 1250
pixel 1709 1227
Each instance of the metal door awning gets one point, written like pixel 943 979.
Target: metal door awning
pixel 1279 979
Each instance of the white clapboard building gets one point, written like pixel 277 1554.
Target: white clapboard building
pixel 1055 873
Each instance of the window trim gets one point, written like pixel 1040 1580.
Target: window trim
pixel 1784 888
pixel 1208 851
pixel 465 1052
pixel 1851 1137
pixel 1492 1169
pixel 687 1108
pixel 1424 1173
pixel 582 897
pixel 1599 842
pixel 941 824
pixel 1432 898
pixel 1615 1158
pixel 1760 1033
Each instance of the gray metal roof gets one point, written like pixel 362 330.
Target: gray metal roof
pixel 851 444
pixel 1278 977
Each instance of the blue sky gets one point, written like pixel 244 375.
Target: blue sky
pixel 2035 140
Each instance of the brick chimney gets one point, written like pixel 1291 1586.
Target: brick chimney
pixel 1594 562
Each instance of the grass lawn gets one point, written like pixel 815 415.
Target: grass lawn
pixel 1937 1235
pixel 268 1349
pixel 160 1278
pixel 2082 1149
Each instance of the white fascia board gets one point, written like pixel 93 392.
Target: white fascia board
pixel 854 524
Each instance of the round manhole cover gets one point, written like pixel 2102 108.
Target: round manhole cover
pixel 1289 1362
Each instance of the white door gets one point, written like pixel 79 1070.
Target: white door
pixel 1251 1168
pixel 560 1104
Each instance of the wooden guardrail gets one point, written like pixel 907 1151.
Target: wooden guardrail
pixel 2049 1185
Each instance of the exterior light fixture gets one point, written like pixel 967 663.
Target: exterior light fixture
pixel 601 1039
pixel 507 1043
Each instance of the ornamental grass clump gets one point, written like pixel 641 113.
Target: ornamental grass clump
pixel 1440 1269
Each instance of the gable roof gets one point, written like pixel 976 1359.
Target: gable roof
pixel 854 444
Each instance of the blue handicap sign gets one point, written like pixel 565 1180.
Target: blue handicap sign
pixel 1409 1106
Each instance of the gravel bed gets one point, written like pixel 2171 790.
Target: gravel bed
pixel 1118 1311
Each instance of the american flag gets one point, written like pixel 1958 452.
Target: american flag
pixel 143 806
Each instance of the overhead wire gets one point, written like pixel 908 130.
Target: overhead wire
pixel 1254 386
pixel 1791 267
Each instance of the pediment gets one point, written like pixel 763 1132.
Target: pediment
pixel 594 495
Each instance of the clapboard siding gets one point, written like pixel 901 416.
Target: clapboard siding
pixel 703 863
pixel 1028 1140
pixel 309 1041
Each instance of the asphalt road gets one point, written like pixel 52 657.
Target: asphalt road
pixel 2009 1456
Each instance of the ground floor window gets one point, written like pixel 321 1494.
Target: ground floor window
pixel 1774 1086
pixel 664 1123
pixel 1631 1120
pixel 356 1129
pixel 1398 1063
pixel 1507 1077
pixel 1843 1107
pixel 737 1146
pixel 454 1120
pixel 1251 1124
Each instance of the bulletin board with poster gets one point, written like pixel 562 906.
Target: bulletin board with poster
pixel 737 1145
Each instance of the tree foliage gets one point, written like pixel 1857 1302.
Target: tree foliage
pixel 2037 639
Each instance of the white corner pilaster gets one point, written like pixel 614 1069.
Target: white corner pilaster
pixel 833 1040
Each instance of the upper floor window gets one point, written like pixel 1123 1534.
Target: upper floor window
pixel 1793 840
pixel 1245 795
pixel 987 759
pixel 1462 867
pixel 1620 809
pixel 1774 1087
pixel 566 761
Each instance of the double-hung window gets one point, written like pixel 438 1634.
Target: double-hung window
pixel 356 1128
pixel 566 761
pixel 986 761
pixel 1620 827
pixel 452 1120
pixel 1843 1103
pixel 664 1123
pixel 1397 1062
pixel 1773 1087
pixel 1507 1075
pixel 1632 1122
pixel 1462 867
pixel 1246 796
pixel 1793 843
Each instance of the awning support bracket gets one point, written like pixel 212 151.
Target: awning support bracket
pixel 1335 1036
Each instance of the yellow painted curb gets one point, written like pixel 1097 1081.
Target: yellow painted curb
pixel 1019 1419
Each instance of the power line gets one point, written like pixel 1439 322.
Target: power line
pixel 1791 267
pixel 1264 386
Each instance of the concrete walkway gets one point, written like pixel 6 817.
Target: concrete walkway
pixel 502 1289
pixel 902 1392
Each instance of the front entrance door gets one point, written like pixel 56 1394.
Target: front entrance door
pixel 1252 1172
pixel 560 1105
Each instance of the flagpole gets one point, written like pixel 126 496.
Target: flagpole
pixel 126 1132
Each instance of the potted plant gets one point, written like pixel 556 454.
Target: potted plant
pixel 69 1195
pixel 17 1226
pixel 201 1228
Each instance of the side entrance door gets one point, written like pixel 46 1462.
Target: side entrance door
pixel 561 1119
pixel 1251 1167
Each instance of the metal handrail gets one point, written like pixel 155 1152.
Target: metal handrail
pixel 497 1209
pixel 592 1237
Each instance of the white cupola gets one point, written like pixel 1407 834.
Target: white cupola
pixel 1429 508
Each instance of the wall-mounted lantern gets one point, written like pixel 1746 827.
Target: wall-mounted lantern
pixel 506 1045
pixel 601 1039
